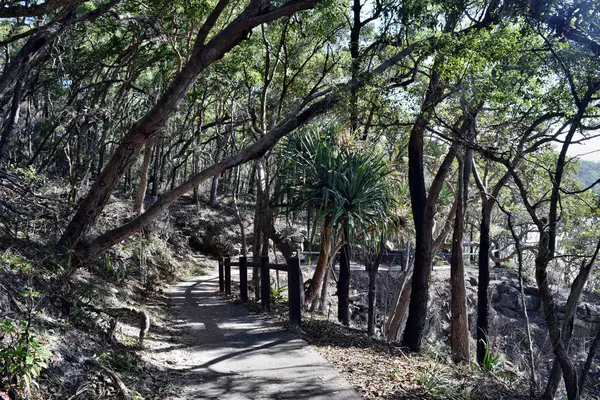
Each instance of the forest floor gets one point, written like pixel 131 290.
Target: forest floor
pixel 182 358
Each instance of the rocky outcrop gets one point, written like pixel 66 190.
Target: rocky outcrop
pixel 507 301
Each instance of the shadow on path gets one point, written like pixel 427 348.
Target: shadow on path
pixel 216 350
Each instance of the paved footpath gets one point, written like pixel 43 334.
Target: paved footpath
pixel 226 353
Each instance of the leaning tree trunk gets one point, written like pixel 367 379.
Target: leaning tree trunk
pixel 148 127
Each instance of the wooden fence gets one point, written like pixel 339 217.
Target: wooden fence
pixel 292 267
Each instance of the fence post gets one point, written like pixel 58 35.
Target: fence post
pixel 265 284
pixel 221 276
pixel 294 293
pixel 228 276
pixel 243 279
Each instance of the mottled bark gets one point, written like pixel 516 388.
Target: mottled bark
pixel 138 205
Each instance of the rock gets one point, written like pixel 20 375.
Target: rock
pixel 509 301
pixel 532 302
pixel 297 239
pixel 532 291
pixel 561 306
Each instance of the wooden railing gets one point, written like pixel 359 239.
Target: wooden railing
pixel 292 267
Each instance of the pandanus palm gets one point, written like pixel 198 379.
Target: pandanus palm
pixel 348 189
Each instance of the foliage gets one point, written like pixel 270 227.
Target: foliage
pixel 344 184
pixel 119 360
pixel 23 354
pixel 277 294
pixel 491 361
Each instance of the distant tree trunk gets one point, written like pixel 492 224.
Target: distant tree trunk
pixel 343 288
pixel 156 168
pixel 213 191
pixel 138 205
pixel 487 206
pixel 459 328
pixel 373 268
pixel 13 117
pixel 237 212
pixel 519 250
pixel 589 360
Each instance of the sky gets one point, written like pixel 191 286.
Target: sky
pixel 590 151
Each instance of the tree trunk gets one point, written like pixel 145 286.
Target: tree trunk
pixel 483 281
pixel 459 327
pixel 213 191
pixel 400 311
pixel 138 205
pixel 373 266
pixel 519 250
pixel 343 288
pixel 423 215
pixel 322 263
pixel 569 320
pixel 13 117
pixel 423 222
pixel 325 289
pixel 541 276
pixel 589 360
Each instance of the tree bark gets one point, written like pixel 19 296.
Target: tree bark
pixel 459 328
pixel 487 206
pixel 423 222
pixel 138 205
pixel 567 325
pixel 373 267
pixel 13 117
pixel 343 287
pixel 589 360
pixel 423 214
pixel 322 264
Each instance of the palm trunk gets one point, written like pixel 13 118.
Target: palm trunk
pixel 322 263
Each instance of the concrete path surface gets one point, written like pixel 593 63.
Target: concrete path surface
pixel 223 352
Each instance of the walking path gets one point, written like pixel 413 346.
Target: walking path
pixel 223 352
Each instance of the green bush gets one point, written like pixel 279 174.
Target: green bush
pixel 277 294
pixel 22 355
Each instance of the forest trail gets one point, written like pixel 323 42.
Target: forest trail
pixel 220 351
